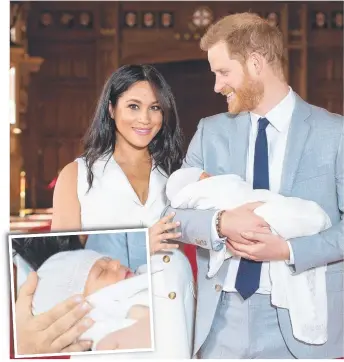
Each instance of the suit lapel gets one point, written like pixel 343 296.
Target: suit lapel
pixel 238 144
pixel 297 136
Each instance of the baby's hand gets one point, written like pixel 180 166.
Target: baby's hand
pixel 138 312
pixel 204 175
pixel 136 336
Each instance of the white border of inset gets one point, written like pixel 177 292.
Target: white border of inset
pixel 119 351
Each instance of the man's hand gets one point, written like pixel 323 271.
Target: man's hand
pixel 51 332
pixel 261 247
pixel 242 219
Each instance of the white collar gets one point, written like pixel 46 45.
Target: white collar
pixel 280 115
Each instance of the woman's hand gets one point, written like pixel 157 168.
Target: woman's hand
pixel 51 332
pixel 158 234
pixel 134 337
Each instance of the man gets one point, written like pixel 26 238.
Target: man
pixel 277 141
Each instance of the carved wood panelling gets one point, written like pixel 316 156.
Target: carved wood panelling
pixel 61 119
pixel 180 41
pixel 325 71
pixel 65 114
pixel 199 100
pixel 107 43
pixel 325 21
pixel 326 79
pixel 67 62
pixel 65 20
pixel 108 63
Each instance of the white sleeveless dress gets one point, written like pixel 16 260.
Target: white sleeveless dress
pixel 112 203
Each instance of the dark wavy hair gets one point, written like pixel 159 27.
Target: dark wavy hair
pixel 36 250
pixel 166 148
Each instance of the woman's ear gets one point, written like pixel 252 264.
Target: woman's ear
pixel 111 110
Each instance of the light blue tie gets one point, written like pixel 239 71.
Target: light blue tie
pixel 248 277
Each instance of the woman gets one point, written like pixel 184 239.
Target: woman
pixel 132 146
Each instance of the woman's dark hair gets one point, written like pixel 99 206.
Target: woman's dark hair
pixel 167 146
pixel 36 250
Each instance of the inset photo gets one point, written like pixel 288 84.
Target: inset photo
pixel 85 296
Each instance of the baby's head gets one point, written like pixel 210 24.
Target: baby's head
pixel 182 178
pixel 75 272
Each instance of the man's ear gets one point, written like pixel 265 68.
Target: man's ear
pixel 255 64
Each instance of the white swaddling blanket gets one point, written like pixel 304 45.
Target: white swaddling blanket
pixel 112 304
pixel 304 295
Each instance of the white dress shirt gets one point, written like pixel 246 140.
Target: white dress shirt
pixel 277 134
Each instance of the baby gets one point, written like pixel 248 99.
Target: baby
pixel 118 296
pixel 290 217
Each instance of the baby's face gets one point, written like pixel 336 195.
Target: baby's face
pixel 105 271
